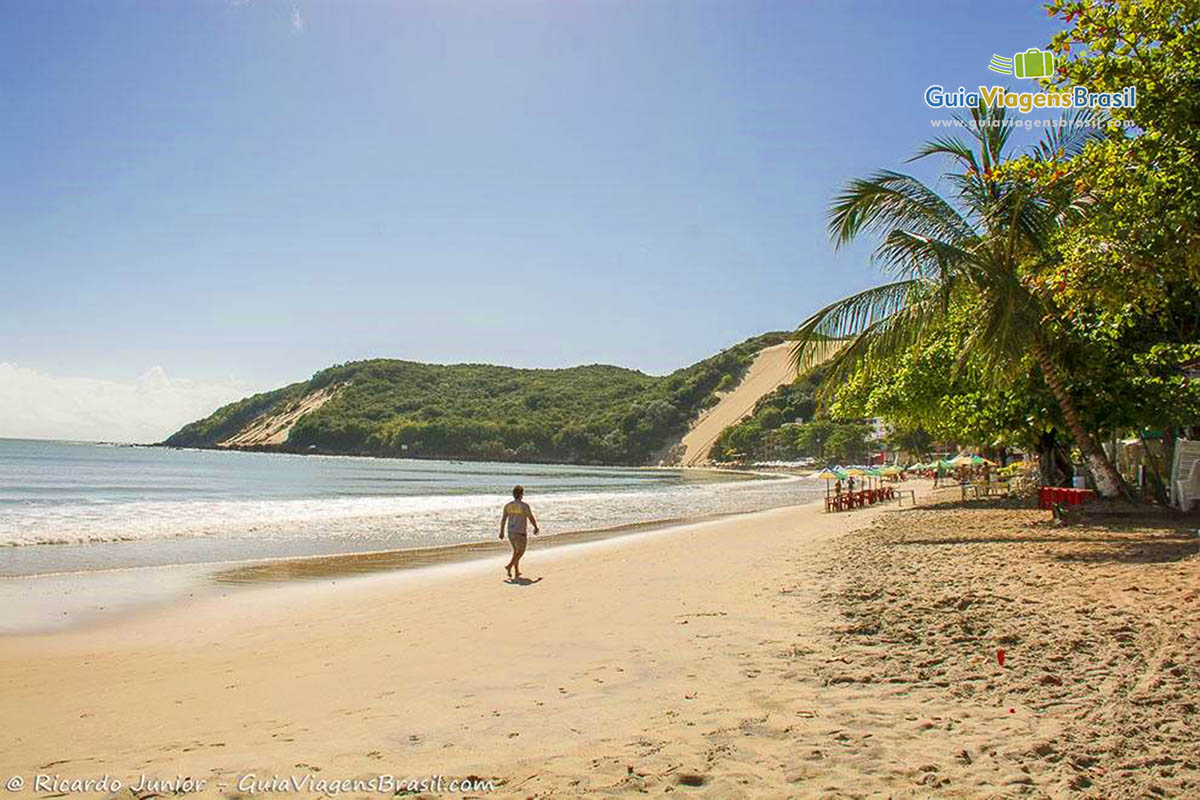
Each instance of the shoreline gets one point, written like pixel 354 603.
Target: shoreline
pixel 108 595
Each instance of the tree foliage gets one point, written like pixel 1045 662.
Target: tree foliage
pixel 983 244
pixel 1141 239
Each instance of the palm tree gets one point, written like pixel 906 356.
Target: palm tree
pixel 982 244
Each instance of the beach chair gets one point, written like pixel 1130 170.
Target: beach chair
pixel 1188 490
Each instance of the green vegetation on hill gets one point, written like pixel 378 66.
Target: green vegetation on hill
pixel 589 414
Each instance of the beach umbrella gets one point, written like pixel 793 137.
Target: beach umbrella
pixel 892 470
pixel 828 475
pixel 978 461
pixel 961 461
pixel 854 472
pixel 876 473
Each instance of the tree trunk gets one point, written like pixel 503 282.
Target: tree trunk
pixel 1108 481
pixel 1161 493
pixel 1046 458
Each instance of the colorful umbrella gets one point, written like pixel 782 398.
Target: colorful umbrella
pixel 828 475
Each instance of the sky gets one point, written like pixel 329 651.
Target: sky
pixel 199 200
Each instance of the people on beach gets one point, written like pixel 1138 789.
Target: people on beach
pixel 516 518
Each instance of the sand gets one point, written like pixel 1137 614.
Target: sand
pixel 1099 621
pixel 273 427
pixel 771 368
pixel 787 653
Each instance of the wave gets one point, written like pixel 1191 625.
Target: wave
pixel 397 521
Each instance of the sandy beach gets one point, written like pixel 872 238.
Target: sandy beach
pixel 786 653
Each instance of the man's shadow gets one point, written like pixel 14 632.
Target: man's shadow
pixel 522 581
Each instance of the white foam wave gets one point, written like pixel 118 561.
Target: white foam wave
pixel 435 519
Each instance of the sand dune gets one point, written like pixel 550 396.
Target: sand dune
pixel 273 427
pixel 771 369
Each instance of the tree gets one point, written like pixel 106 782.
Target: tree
pixel 1142 236
pixel 848 442
pixel 983 246
pixel 810 439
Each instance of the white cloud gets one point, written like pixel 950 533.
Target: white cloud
pixel 39 406
pixel 297 20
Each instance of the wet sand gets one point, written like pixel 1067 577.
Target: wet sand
pixel 61 601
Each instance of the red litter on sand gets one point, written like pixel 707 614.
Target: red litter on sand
pixel 1000 657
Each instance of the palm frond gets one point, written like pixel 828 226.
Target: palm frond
pixel 1072 133
pixel 847 319
pixel 907 254
pixel 891 199
pixel 949 146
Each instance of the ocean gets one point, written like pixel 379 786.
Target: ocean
pixel 69 509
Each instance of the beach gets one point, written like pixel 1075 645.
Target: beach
pixel 780 653
pixel 89 532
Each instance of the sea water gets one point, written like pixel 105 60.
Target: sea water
pixel 76 507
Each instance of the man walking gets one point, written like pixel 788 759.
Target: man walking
pixel 517 516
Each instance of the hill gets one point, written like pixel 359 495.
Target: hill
pixel 595 414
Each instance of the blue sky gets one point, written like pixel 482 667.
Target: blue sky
pixel 241 193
